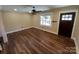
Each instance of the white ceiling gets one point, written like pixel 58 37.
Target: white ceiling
pixel 28 8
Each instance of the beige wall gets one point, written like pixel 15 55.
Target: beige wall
pixel 54 27
pixel 55 16
pixel 76 31
pixel 14 21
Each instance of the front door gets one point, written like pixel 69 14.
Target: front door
pixel 66 24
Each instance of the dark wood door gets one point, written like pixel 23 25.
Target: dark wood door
pixel 66 24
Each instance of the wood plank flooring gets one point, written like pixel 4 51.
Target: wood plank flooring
pixel 35 41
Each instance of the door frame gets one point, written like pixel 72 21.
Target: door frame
pixel 68 11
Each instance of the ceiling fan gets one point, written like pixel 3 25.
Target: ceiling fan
pixel 34 11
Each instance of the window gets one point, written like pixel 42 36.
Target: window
pixel 67 17
pixel 45 20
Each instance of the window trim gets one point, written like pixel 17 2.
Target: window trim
pixel 45 25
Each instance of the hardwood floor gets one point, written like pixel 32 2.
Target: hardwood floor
pixel 35 41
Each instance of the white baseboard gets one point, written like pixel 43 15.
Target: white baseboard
pixel 30 27
pixel 76 44
pixel 46 30
pixel 17 30
pixel 75 40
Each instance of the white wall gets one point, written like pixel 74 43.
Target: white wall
pixel 0 24
pixel 0 28
pixel 3 33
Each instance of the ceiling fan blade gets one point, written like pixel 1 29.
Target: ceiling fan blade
pixel 34 11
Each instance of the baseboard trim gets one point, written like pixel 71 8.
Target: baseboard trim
pixel 46 30
pixel 76 44
pixel 29 28
pixel 17 30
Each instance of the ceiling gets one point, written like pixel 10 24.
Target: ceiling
pixel 28 8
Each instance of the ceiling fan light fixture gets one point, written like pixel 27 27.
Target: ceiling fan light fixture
pixel 15 9
pixel 33 10
pixel 30 11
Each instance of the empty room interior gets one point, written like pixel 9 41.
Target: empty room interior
pixel 39 29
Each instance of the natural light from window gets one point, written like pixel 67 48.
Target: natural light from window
pixel 45 20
